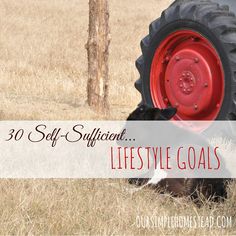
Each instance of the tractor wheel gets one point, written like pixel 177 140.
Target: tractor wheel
pixel 189 61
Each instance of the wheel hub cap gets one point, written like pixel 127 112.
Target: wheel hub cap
pixel 187 83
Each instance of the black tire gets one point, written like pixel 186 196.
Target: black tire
pixel 214 22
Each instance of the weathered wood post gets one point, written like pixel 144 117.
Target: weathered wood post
pixel 98 55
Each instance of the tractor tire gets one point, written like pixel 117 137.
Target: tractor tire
pixel 189 61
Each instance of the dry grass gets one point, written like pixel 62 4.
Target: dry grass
pixel 43 75
pixel 95 207
pixel 43 69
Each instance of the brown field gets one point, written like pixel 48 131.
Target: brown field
pixel 43 75
pixel 43 67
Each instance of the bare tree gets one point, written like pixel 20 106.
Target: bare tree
pixel 98 54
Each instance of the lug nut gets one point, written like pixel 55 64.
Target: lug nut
pixel 218 105
pixel 196 60
pixel 195 106
pixel 167 58
pixel 181 86
pixel 177 58
pixel 206 85
pixel 166 100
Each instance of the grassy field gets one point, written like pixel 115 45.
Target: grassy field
pixel 43 75
pixel 43 67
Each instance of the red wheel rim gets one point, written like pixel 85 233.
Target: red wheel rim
pixel 187 73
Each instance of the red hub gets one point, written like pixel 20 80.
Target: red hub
pixel 187 73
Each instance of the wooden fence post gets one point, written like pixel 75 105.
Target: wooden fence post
pixel 98 55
